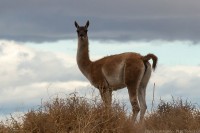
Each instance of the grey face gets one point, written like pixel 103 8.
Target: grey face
pixel 82 30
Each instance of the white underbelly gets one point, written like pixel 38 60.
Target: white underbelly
pixel 115 78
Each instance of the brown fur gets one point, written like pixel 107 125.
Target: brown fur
pixel 153 57
pixel 130 70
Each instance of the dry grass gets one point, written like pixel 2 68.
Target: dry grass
pixel 80 115
pixel 176 115
pixel 73 115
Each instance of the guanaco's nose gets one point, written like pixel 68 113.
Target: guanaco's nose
pixel 81 35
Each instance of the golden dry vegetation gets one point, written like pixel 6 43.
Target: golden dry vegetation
pixel 76 114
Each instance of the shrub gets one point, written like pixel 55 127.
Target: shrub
pixel 81 115
pixel 174 115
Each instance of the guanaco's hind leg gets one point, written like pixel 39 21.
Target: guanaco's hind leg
pixel 132 91
pixel 142 91
pixel 133 74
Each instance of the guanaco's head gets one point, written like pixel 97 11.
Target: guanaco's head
pixel 82 30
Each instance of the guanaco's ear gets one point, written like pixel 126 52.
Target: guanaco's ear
pixel 87 24
pixel 76 24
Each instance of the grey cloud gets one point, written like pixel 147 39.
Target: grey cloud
pixel 177 81
pixel 22 78
pixel 31 66
pixel 176 89
pixel 46 67
pixel 50 20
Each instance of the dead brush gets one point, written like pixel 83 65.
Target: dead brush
pixel 174 115
pixel 77 115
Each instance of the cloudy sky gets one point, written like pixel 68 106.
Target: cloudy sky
pixel 38 46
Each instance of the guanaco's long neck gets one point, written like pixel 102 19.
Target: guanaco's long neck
pixel 82 57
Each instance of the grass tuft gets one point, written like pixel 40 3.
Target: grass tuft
pixel 174 115
pixel 81 115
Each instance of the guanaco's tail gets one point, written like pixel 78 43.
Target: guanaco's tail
pixel 151 56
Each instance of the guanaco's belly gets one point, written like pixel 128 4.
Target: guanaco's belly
pixel 114 75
